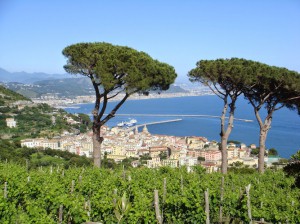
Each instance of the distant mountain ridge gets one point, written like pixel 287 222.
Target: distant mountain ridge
pixel 28 78
pixel 67 88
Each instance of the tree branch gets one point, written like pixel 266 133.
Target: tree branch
pixel 278 108
pixel 97 101
pixel 217 93
pixel 259 120
pixel 103 106
pixel 113 112
pixel 115 94
pixel 292 98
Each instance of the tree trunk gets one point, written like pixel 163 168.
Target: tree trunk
pixel 262 146
pixel 224 154
pixel 225 132
pixel 223 146
pixel 97 148
pixel 264 128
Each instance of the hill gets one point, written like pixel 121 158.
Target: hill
pixel 65 88
pixel 32 121
pixel 35 120
pixel 8 96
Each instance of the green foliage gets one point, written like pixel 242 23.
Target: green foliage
pixel 234 141
pixel 12 151
pixel 296 156
pixel 36 121
pixel 272 152
pixel 238 164
pixel 122 208
pixel 9 96
pixel 127 162
pixel 110 63
pixel 255 151
pixel 143 158
pixel 163 155
pixel 293 168
pixel 242 170
pixel 201 158
pixel 93 196
pixel 231 74
pixel 272 86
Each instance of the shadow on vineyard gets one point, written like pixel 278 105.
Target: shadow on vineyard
pixel 77 195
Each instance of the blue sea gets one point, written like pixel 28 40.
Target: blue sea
pixel 284 134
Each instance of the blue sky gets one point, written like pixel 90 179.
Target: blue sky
pixel 33 33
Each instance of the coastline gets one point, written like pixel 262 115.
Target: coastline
pixel 62 103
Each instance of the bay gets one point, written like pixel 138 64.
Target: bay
pixel 284 134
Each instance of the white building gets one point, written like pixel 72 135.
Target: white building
pixel 188 161
pixel 11 123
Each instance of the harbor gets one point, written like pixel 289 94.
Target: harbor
pixel 180 115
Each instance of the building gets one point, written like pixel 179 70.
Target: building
pixel 11 123
pixel 232 151
pixel 170 162
pixel 196 143
pixel 210 167
pixel 212 155
pixel 157 150
pixel 188 161
pixel 154 162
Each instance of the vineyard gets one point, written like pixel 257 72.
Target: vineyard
pixel 78 195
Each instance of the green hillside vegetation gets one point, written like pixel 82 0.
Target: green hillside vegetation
pixel 106 196
pixel 66 87
pixel 8 96
pixel 40 120
pixel 69 87
pixel 35 158
pixel 36 120
pixel 28 93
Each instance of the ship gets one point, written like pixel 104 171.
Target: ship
pixel 129 123
pixel 121 124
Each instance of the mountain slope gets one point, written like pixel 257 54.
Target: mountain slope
pixel 35 120
pixel 8 96
pixel 66 88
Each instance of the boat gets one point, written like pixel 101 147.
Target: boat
pixel 121 124
pixel 133 121
pixel 129 123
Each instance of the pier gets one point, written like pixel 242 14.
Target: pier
pixel 180 115
pixel 152 123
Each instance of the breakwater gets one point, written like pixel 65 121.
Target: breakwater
pixel 152 123
pixel 180 115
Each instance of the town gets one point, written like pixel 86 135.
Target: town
pixel 156 150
